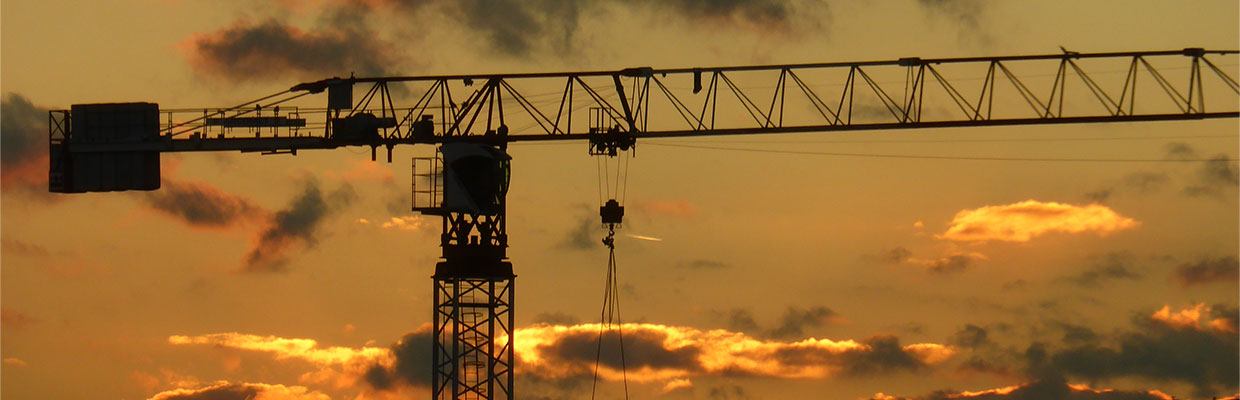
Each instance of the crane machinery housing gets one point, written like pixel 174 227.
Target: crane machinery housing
pixel 117 147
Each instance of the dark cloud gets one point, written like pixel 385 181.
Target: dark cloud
pixel 1145 182
pixel 761 12
pixel 727 392
pixel 1219 170
pixel 985 365
pixel 885 355
pixel 1106 268
pixel 792 324
pixel 24 131
pixel 398 201
pixel 702 263
pixel 538 387
pixel 340 43
pixel 869 108
pixel 1204 358
pixel 971 336
pixel 1141 182
pixel 1077 334
pixel 516 28
pixel 741 320
pixel 524 28
pixel 1209 270
pixel 796 319
pixel 1214 177
pixel 297 224
pixel 582 237
pixel 379 377
pixel 980 352
pixel 642 348
pixel 1179 151
pixel 896 255
pixel 1038 390
pixel 1100 195
pixel 950 264
pixel 201 204
pixel 412 365
pixel 1162 346
pixel 913 328
pixel 23 145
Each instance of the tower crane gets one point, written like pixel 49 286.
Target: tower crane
pixel 117 146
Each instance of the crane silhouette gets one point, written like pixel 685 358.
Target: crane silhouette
pixel 117 146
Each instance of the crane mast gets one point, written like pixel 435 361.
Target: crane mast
pixel 112 147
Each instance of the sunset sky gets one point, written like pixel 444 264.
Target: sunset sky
pixel 769 271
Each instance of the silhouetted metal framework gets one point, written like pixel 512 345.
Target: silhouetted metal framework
pixel 474 283
pixel 473 318
pixel 640 103
pixel 473 355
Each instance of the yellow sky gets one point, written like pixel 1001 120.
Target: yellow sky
pixel 103 294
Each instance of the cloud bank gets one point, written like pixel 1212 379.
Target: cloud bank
pixel 669 356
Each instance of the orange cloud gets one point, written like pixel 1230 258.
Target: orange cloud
pixel 1083 388
pixel 337 366
pixel 1192 318
pixel 253 391
pixel 1023 221
pixel 304 349
pixel 677 384
pixel 409 223
pixel 1006 390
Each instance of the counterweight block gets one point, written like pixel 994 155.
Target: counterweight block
pixel 98 126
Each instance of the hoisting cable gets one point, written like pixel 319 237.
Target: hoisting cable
pixel 610 315
pixel 608 145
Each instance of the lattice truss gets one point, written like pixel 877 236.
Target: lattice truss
pixel 645 102
pixel 472 354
